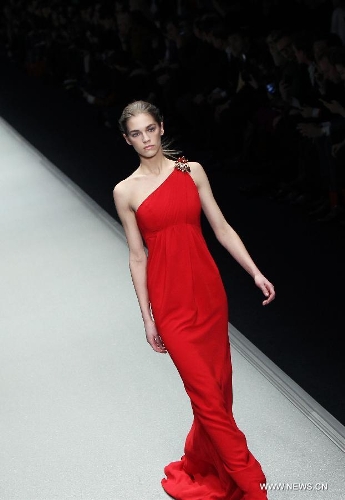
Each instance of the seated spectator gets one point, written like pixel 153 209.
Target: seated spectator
pixel 304 87
pixel 283 103
pixel 338 19
pixel 289 70
pixel 325 134
pixel 271 41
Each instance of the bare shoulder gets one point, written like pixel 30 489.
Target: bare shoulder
pixel 123 189
pixel 197 172
pixel 120 188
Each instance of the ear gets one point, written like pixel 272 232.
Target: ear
pixel 162 128
pixel 126 139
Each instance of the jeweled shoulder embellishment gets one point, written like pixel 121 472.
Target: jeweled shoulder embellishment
pixel 182 164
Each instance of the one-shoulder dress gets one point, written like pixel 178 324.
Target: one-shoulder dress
pixel 189 306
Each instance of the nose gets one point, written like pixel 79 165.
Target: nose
pixel 145 137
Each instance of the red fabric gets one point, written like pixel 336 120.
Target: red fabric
pixel 190 309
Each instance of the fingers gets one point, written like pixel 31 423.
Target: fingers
pixel 303 130
pixel 157 344
pixel 328 105
pixel 269 292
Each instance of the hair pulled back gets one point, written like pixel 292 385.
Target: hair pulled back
pixel 136 108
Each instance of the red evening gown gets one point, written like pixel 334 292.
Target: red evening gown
pixel 190 309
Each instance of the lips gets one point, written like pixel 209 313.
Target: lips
pixel 148 147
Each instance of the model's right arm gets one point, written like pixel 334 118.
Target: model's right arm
pixel 137 263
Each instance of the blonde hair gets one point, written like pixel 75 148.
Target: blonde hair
pixel 138 107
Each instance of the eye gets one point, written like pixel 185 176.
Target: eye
pixel 135 134
pixel 152 129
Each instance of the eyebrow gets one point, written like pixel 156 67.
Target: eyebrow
pixel 148 126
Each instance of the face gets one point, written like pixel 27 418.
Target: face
pixel 284 47
pixel 123 23
pixel 319 47
pixel 236 44
pixel 171 31
pixel 341 71
pixel 299 54
pixel 328 70
pixel 217 43
pixel 144 134
pixel 271 44
pixel 196 31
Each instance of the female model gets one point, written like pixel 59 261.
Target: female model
pixel 184 306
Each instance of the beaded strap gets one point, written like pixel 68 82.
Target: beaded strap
pixel 182 164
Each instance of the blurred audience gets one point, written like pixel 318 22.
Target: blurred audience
pixel 261 97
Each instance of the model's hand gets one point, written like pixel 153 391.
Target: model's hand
pixel 153 338
pixel 266 287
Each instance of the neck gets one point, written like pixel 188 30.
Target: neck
pixel 153 165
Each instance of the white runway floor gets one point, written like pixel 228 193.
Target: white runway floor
pixel 88 411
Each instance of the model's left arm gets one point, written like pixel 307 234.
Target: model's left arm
pixel 226 234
